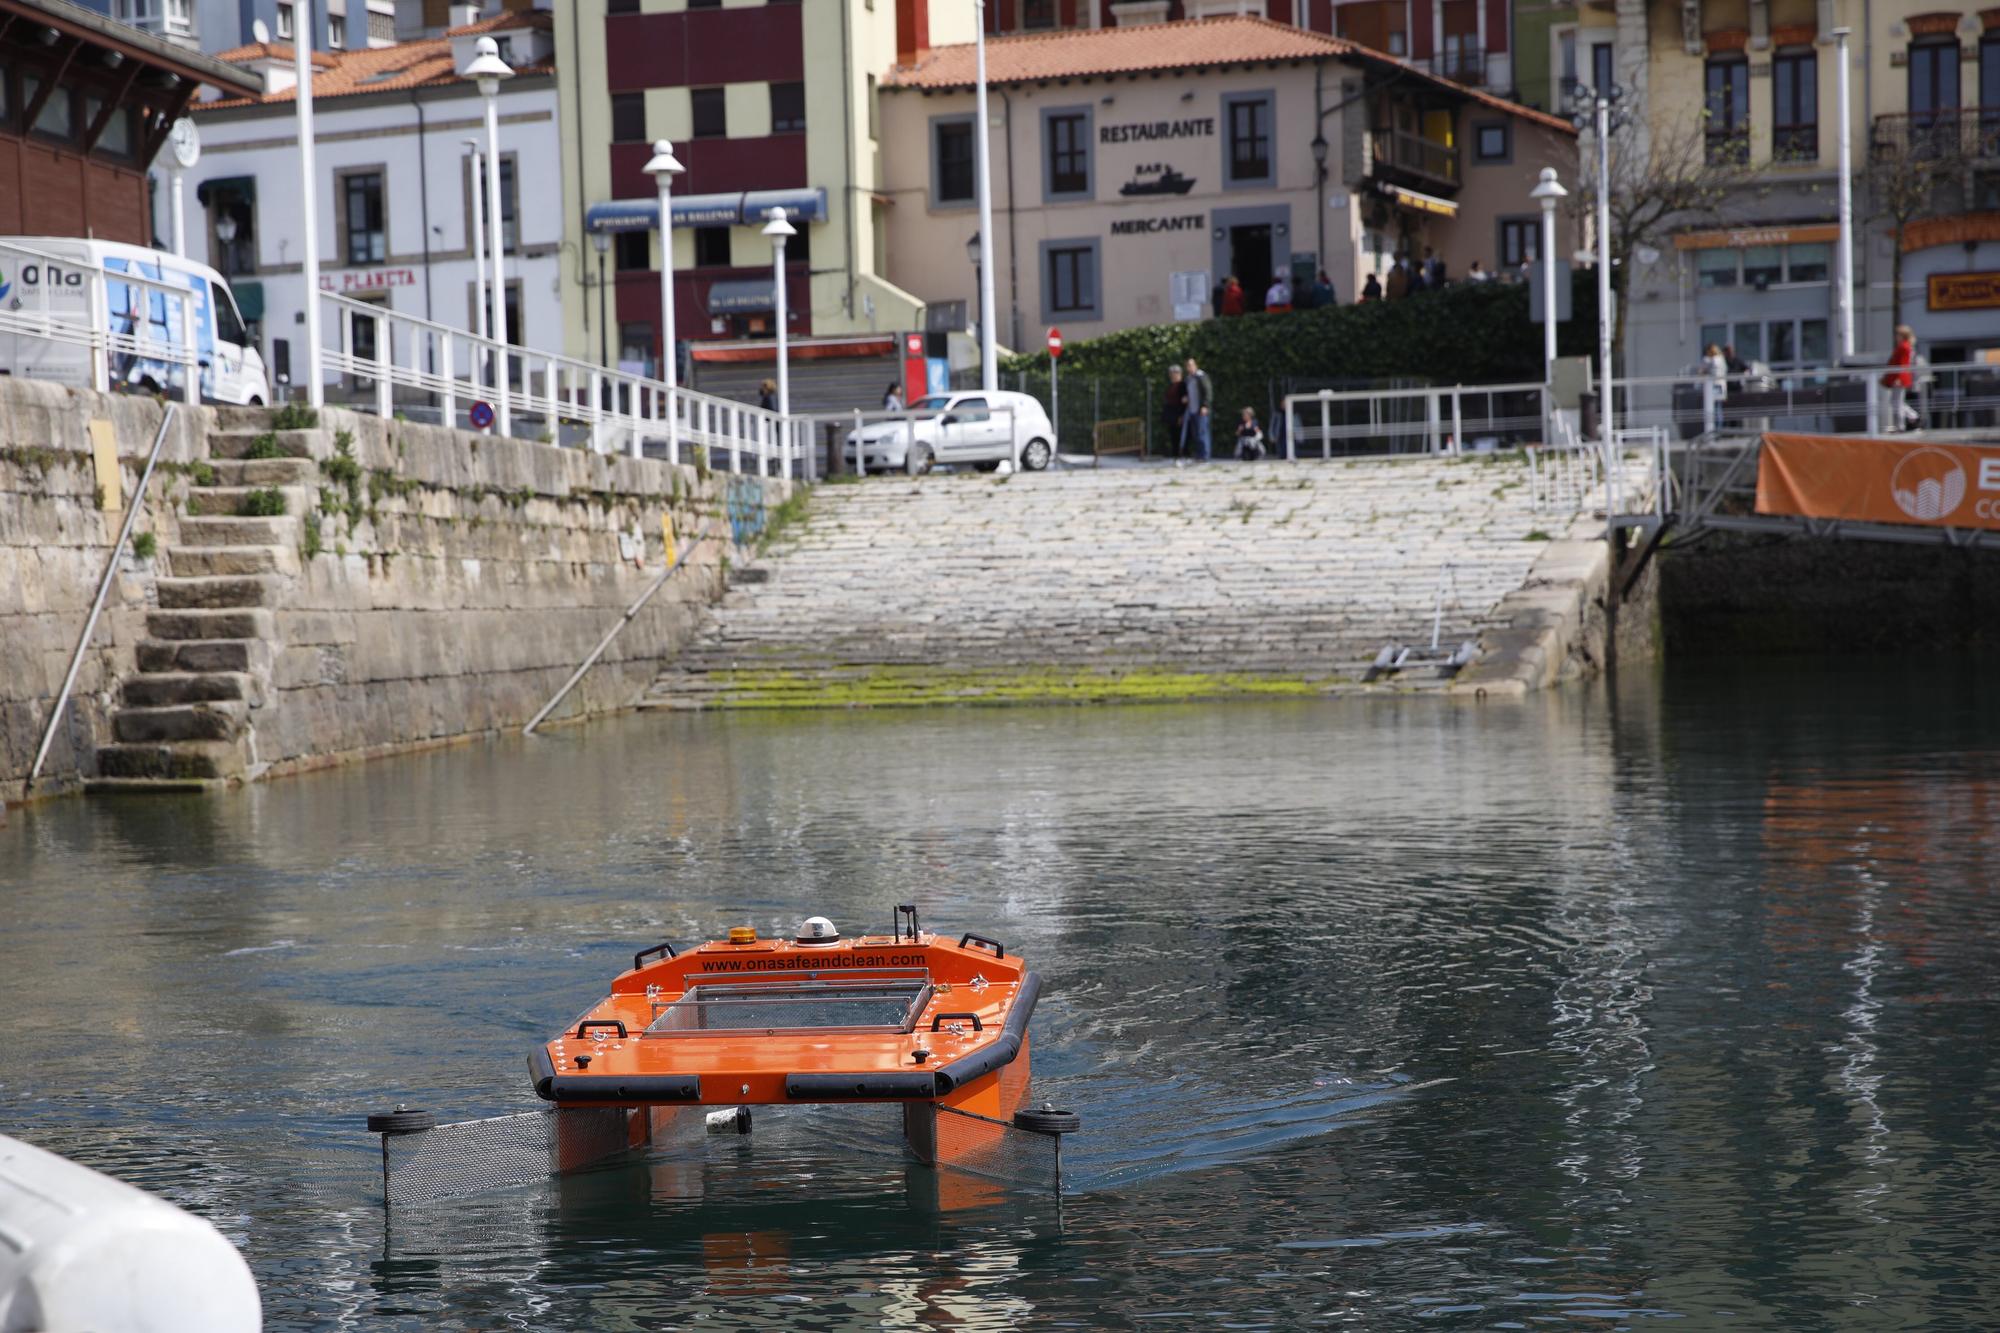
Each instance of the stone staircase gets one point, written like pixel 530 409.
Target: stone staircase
pixel 205 666
pixel 1145 582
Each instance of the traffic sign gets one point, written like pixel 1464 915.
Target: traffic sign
pixel 481 415
pixel 1055 343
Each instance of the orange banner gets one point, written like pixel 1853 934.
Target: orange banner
pixel 1880 481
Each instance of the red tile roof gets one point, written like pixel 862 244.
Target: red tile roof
pixel 381 68
pixel 1189 44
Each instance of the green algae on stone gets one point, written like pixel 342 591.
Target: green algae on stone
pixel 881 686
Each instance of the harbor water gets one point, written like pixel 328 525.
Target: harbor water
pixel 1668 998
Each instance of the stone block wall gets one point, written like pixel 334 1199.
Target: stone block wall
pixel 54 540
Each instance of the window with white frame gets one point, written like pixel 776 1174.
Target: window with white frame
pixel 285 23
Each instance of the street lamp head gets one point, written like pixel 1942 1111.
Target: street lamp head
pixel 1550 191
pixel 602 240
pixel 778 228
pixel 225 229
pixel 487 68
pixel 1319 147
pixel 972 249
pixel 664 165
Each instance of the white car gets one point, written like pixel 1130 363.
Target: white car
pixel 971 426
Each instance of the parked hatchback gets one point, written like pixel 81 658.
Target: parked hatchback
pixel 973 426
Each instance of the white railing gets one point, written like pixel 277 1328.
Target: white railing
pixel 1849 400
pixel 393 362
pixel 1439 420
pixel 56 323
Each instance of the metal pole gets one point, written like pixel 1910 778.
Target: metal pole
pixel 1604 398
pixel 1844 292
pixel 103 587
pixel 302 40
pixel 479 325
pixel 603 331
pixel 180 213
pixel 504 422
pixel 1055 404
pixel 989 359
pixel 778 279
pixel 1548 291
pixel 669 363
pixel 611 634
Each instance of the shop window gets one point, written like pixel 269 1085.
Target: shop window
pixel 1066 141
pixel 1520 241
pixel 1715 268
pixel 1247 119
pixel 1795 106
pixel 1069 279
pixel 1490 142
pixel 1807 263
pixel 1815 344
pixel 1727 110
pixel 788 108
pixel 628 117
pixel 1748 342
pixel 633 251
pixel 711 247
pixel 951 160
pixel 711 117
pixel 1762 266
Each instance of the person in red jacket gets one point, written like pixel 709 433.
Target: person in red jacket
pixel 1899 382
pixel 1232 297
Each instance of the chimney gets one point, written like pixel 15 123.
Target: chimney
pixel 913 30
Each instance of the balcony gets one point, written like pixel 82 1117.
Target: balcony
pixel 1461 65
pixel 1968 135
pixel 1428 163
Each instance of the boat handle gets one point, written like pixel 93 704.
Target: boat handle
pixel 994 945
pixel 587 1024
pixel 941 1019
pixel 663 950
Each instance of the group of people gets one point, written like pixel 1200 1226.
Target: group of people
pixel 1189 412
pixel 1407 277
pixel 1231 301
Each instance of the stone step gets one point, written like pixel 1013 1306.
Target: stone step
pixel 194 562
pixel 180 762
pixel 265 471
pixel 178 594
pixel 238 441
pixel 211 624
pixel 219 531
pixel 228 501
pixel 186 687
pixel 206 720
pixel 202 656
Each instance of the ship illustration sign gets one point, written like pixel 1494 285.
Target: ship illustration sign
pixel 1157 179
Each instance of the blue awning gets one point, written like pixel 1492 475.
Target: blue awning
pixel 737 296
pixel 743 208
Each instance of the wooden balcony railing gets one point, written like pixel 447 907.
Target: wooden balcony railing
pixel 1400 150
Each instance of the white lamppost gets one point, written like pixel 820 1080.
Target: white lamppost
pixel 989 359
pixel 778 230
pixel 1844 293
pixel 1600 102
pixel 302 27
pixel 663 167
pixel 488 70
pixel 1549 194
pixel 477 166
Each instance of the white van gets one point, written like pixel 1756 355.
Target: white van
pixel 232 370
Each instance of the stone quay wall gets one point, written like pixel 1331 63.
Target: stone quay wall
pixel 420 585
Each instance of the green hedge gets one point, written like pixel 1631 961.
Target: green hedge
pixel 1469 333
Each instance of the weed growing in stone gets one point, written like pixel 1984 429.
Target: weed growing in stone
pixel 295 416
pixel 782 517
pixel 269 502
pixel 265 446
pixel 1537 535
pixel 309 545
pixel 144 545
pixel 203 474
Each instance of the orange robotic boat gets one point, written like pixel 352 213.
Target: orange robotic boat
pixel 909 1017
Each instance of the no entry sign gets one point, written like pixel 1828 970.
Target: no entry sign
pixel 480 415
pixel 1055 343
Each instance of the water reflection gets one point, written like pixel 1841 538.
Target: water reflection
pixel 1673 1001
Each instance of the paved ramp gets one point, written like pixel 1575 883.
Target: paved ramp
pixel 1143 582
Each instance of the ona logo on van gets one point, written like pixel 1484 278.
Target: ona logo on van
pixel 43 275
pixel 5 286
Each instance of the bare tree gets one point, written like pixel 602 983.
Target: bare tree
pixel 1677 174
pixel 1913 162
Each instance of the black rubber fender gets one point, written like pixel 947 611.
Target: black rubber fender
pixel 402 1120
pixel 1047 1120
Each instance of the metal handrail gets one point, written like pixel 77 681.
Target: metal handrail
pixel 94 332
pixel 1434 414
pixel 453 364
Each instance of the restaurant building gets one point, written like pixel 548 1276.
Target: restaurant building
pixel 1134 168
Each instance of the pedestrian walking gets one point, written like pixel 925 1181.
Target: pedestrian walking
pixel 1899 382
pixel 1232 297
pixel 892 398
pixel 1278 296
pixel 1716 367
pixel 1433 269
pixel 1195 427
pixel 1173 408
pixel 767 395
pixel 1398 285
pixel 1322 291
pixel 1371 290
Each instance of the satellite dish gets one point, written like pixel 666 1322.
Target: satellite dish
pixel 260 31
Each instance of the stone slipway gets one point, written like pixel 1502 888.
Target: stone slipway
pixel 1151 583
